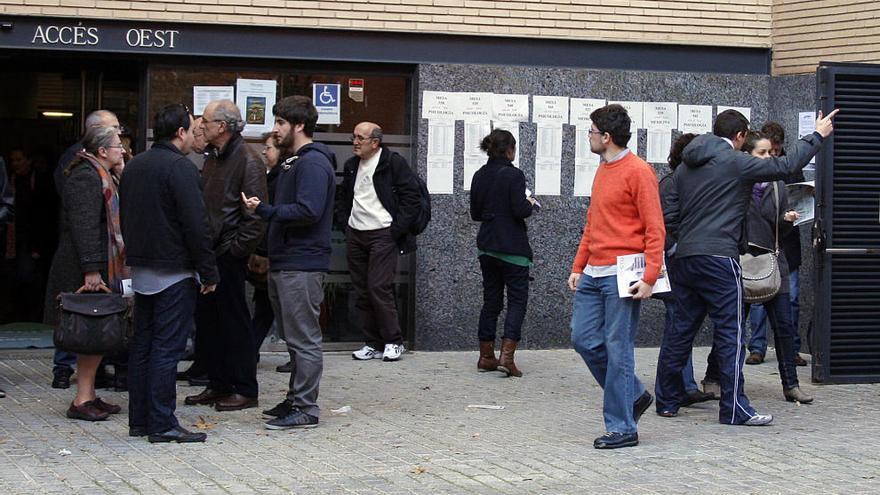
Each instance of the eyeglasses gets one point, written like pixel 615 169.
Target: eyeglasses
pixel 360 139
pixel 117 146
pixel 598 133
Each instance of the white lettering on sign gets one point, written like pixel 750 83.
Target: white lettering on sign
pixel 66 35
pixel 151 38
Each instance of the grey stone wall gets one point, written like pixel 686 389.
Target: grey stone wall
pixel 448 282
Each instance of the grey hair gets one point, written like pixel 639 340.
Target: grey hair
pixel 98 137
pixel 228 112
pixel 96 118
pixel 377 133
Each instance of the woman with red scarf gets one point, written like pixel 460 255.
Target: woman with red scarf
pixel 91 253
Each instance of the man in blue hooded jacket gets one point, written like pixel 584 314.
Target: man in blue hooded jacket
pixel 707 207
pixel 299 253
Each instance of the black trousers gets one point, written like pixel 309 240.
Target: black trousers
pixel 498 275
pixel 224 330
pixel 263 318
pixel 372 261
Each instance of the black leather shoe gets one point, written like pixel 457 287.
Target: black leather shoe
pixel 613 440
pixel 137 431
pixel 2 393
pixel 61 378
pixel 285 368
pixel 177 434
pixel 641 405
pixel 208 397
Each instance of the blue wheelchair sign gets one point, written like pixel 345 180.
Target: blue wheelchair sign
pixel 326 100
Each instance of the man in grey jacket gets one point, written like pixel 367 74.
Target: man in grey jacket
pixel 708 207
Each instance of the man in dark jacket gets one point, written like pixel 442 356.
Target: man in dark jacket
pixel 168 247
pixel 709 204
pixel 299 253
pixel 380 200
pixel 224 337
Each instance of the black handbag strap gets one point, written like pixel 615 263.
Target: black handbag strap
pixel 776 200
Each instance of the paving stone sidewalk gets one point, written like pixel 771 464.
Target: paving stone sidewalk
pixel 410 430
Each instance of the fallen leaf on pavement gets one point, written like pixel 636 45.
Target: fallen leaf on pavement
pixel 204 425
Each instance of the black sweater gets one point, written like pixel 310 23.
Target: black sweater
pixel 163 215
pixel 498 201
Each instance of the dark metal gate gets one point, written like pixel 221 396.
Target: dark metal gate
pixel 846 234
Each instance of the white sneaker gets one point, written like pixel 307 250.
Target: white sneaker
pixel 366 353
pixel 392 352
pixel 759 420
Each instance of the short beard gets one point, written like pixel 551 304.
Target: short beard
pixel 285 143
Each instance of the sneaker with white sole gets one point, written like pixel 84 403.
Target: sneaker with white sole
pixel 366 353
pixel 759 420
pixel 393 352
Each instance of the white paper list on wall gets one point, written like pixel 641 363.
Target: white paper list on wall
pixel 548 159
pixel 806 126
pixel 660 118
pixel 586 163
pixel 635 109
pixel 746 111
pixel 474 157
pixel 550 113
pixel 441 151
pixel 441 108
pixel 439 105
pixel 695 119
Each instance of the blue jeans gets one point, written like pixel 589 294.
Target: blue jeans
pixel 162 322
pixel 603 330
pixel 759 323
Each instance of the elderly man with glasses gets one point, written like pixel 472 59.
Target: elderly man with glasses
pixel 223 322
pixel 380 200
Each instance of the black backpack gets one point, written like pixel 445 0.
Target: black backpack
pixel 424 217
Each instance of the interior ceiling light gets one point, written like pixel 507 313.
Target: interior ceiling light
pixel 58 115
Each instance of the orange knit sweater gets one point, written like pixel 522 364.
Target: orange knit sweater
pixel 624 217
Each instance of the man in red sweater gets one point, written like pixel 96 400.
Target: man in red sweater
pixel 624 217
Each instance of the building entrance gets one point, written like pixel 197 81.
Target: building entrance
pixel 45 103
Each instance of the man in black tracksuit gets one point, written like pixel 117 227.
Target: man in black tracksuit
pixel 709 207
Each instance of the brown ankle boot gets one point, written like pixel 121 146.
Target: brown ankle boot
pixel 487 361
pixel 508 349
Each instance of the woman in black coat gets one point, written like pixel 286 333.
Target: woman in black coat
pixel 89 255
pixel 766 222
pixel 499 202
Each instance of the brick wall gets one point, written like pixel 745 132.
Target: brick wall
pixel 806 32
pixel 744 23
